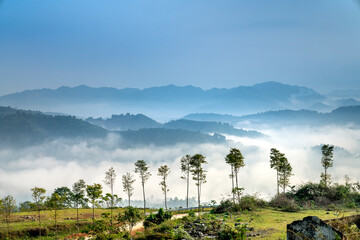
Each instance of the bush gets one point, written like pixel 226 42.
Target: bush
pixel 250 202
pixel 156 219
pixel 224 206
pixel 181 234
pixel 284 203
pixel 228 233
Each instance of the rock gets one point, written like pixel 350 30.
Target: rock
pixel 311 227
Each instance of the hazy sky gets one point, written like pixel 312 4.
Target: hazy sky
pixel 206 43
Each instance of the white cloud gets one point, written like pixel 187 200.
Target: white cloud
pixel 63 162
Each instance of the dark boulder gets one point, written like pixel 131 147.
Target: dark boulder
pixel 312 227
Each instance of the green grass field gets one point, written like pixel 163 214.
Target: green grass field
pixel 268 222
pixel 271 223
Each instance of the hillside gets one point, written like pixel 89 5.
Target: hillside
pixel 19 128
pixel 125 122
pixel 166 137
pixel 339 116
pixel 128 121
pixel 22 128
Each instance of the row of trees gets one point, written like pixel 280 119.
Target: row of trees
pixel 191 166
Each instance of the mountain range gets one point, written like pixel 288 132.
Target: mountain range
pixel 22 128
pixel 174 101
pixel 349 115
pixel 128 121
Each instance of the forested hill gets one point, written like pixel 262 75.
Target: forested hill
pixel 124 122
pixel 166 137
pixel 211 127
pixel 339 116
pixel 19 128
pixel 23 128
pixel 135 122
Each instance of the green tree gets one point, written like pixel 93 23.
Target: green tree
pixel 128 181
pixel 130 217
pixel 55 202
pixel 142 168
pixel 185 169
pixel 164 172
pixel 110 177
pixel 66 195
pixel 285 170
pixel 198 172
pixel 111 200
pixel 236 161
pixel 78 197
pixel 275 156
pixel 94 193
pixel 327 162
pixel 38 195
pixel 7 206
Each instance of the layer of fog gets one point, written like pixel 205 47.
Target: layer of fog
pixel 61 163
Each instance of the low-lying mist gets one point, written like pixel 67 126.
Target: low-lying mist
pixel 63 162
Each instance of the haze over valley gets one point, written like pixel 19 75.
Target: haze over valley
pixel 55 148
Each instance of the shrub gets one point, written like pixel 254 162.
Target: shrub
pixel 181 234
pixel 250 202
pixel 224 206
pixel 228 233
pixel 284 203
pixel 156 219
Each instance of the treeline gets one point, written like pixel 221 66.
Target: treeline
pixel 81 195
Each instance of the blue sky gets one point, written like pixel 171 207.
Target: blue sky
pixel 205 43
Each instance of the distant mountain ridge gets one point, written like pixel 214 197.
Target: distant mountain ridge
pixel 125 122
pixel 339 116
pixel 173 99
pixel 23 128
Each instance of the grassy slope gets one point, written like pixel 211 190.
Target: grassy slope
pixel 274 222
pixel 66 217
pixel 270 222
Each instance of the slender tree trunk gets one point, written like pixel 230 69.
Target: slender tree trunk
pixel 198 185
pixel 39 223
pixel 112 206
pixel 325 177
pixel 129 197
pixel 165 199
pixel 277 182
pixel 237 187
pixel 144 199
pixel 56 223
pixel 187 188
pixel 284 185
pixel 77 216
pixel 232 183
pixel 7 219
pixel 93 207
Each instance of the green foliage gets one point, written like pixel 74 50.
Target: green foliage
pixel 130 217
pixel 284 203
pixel 128 181
pixel 158 218
pixel 7 206
pixel 232 233
pixel 191 214
pixel 224 206
pixel 164 172
pixel 249 203
pixel 327 162
pixel 280 163
pixel 347 195
pixel 66 195
pixel 181 234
